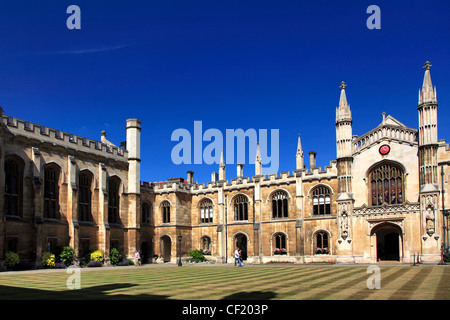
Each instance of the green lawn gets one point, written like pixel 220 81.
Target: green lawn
pixel 225 282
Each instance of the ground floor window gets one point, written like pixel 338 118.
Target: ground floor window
pixel 280 244
pixel 321 240
pixel 12 243
pixel 52 244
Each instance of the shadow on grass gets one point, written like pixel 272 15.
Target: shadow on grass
pixel 103 292
pixel 91 293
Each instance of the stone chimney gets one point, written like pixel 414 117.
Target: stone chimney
pixel 240 170
pixel 312 159
pixel 190 177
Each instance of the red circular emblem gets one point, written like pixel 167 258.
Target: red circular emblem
pixel 384 149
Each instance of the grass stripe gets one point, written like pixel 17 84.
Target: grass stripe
pixel 217 282
pixel 312 285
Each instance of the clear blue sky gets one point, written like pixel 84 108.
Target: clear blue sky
pixel 230 64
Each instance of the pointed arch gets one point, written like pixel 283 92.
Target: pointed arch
pixel 114 184
pixel 52 178
pixel 85 187
pixel 14 167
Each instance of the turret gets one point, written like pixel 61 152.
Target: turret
pixel 428 144
pixel 343 126
pixel 134 155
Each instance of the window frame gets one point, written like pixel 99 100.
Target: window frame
pixel 321 199
pixel 114 184
pixel 206 211
pixel 52 173
pixel 146 212
pixel 13 193
pixel 165 211
pixel 386 184
pixel 240 205
pixel 280 204
pixel 85 179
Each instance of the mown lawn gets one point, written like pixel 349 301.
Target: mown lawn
pixel 224 282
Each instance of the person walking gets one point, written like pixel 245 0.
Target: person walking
pixel 237 258
pixel 137 258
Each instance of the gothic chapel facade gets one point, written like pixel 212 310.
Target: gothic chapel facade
pixel 380 200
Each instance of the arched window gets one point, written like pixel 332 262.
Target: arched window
pixel 113 200
pixel 146 213
pixel 279 205
pixel 51 191
pixel 240 208
pixel 321 201
pixel 84 196
pixel 321 240
pixel 280 243
pixel 165 210
pixel 206 211
pixel 386 185
pixel 13 186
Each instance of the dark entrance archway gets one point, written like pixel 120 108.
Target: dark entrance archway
pixel 145 252
pixel 166 248
pixel 389 242
pixel 241 243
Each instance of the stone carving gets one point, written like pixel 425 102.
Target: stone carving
pixel 429 213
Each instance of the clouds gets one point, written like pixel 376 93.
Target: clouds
pixel 84 50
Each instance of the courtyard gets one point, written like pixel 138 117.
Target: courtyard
pixel 225 282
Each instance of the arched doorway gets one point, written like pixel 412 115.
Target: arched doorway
pixel 166 248
pixel 389 242
pixel 241 243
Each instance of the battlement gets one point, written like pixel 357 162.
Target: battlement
pixel 181 185
pixel 392 132
pixel 41 133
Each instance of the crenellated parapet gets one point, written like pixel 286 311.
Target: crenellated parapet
pixel 386 131
pixel 33 131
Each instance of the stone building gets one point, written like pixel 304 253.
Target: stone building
pixel 380 199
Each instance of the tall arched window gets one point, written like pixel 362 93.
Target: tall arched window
pixel 386 184
pixel 51 191
pixel 84 196
pixel 165 210
pixel 113 200
pixel 146 213
pixel 240 208
pixel 206 211
pixel 13 186
pixel 321 200
pixel 279 204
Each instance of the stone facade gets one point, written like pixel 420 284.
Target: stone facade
pixel 380 199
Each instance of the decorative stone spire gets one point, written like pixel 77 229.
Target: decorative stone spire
pixel 222 169
pixel 428 93
pixel 222 161
pixel 299 156
pixel 258 161
pixel 343 110
pixel 343 126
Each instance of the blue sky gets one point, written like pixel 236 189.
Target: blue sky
pixel 230 64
